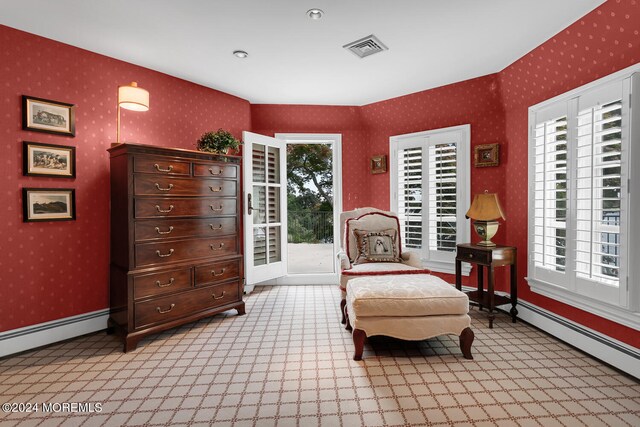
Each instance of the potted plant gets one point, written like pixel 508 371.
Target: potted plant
pixel 218 142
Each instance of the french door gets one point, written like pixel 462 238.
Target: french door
pixel 265 208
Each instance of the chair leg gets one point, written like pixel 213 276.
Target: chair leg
pixel 346 318
pixel 466 339
pixel 343 303
pixel 359 336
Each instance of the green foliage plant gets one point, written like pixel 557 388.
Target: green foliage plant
pixel 218 142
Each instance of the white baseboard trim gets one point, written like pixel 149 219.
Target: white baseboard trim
pixel 30 337
pixel 616 353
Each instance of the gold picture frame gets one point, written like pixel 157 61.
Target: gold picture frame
pixel 486 155
pixel 378 164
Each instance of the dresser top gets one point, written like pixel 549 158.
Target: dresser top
pixel 129 148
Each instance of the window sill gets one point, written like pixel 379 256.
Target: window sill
pixel 614 313
pixel 446 267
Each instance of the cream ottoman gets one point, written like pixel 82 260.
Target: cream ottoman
pixel 410 307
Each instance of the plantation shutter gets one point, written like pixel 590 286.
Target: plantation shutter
pixel 442 178
pixel 600 211
pixel 410 196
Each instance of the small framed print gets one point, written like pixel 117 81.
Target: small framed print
pixel 44 115
pixel 56 161
pixel 48 204
pixel 378 164
pixel 486 155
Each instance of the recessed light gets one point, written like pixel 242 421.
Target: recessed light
pixel 240 53
pixel 315 13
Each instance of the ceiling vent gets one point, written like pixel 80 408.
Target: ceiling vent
pixel 366 46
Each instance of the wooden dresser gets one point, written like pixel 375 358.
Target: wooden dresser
pixel 176 253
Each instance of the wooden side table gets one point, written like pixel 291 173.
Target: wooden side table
pixel 490 257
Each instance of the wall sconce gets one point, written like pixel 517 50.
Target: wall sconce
pixel 485 210
pixel 131 97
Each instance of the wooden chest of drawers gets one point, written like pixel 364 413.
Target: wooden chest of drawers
pixel 176 253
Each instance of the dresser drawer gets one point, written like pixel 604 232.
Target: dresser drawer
pixel 161 166
pixel 152 229
pixel 168 208
pixel 215 170
pixel 151 185
pixel 472 255
pixel 175 306
pixel 181 250
pixel 161 283
pixel 217 272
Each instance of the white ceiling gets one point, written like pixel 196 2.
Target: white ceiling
pixel 295 60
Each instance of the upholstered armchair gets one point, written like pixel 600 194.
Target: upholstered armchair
pixel 358 229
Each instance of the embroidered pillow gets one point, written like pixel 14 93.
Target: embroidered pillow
pixel 377 246
pixel 373 221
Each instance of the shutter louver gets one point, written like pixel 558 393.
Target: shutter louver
pixel 410 196
pixel 550 194
pixel 598 187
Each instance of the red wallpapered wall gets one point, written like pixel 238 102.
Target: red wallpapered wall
pixel 52 270
pixel 269 119
pixel 602 42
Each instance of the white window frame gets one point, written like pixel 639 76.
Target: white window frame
pixel 438 261
pixel 569 289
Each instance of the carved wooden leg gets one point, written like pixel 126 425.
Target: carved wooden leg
pixel 343 303
pixel 466 339
pixel 241 310
pixel 346 318
pixel 359 337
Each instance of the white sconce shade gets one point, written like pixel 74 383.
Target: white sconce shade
pixel 132 97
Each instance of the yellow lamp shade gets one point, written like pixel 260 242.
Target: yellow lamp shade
pixel 485 207
pixel 132 97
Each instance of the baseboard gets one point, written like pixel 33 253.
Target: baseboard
pixel 616 353
pixel 30 337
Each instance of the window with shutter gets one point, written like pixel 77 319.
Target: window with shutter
pixel 582 195
pixel 429 191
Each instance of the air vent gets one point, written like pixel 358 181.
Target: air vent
pixel 366 46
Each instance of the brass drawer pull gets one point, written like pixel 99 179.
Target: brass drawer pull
pixel 218 248
pixel 165 311
pixel 164 232
pixel 165 255
pixel 220 170
pixel 220 297
pixel 164 285
pixel 215 190
pixel 164 189
pixel 216 209
pixel 159 169
pixel 219 227
pixel 163 210
pixel 213 272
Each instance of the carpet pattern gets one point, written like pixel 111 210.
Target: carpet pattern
pixel 288 362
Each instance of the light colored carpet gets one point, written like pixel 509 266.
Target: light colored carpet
pixel 289 362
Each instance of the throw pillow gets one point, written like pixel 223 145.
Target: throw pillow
pixel 377 246
pixel 374 221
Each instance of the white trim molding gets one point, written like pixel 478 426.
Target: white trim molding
pixel 30 337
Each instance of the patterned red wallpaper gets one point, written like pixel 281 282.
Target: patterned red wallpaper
pixel 269 119
pixel 602 42
pixel 55 270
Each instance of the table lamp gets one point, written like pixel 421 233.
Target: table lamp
pixel 485 210
pixel 131 97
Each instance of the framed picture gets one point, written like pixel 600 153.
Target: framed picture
pixel 44 115
pixel 378 164
pixel 48 204
pixel 58 161
pixel 486 155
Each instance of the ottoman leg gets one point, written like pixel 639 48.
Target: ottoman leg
pixel 358 341
pixel 346 318
pixel 466 339
pixel 342 304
